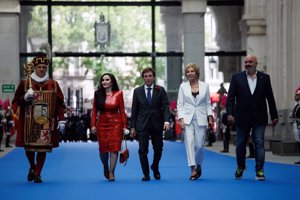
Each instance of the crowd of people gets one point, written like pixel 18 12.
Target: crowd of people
pixel 39 104
pixel 7 125
pixel 76 128
pixel 295 117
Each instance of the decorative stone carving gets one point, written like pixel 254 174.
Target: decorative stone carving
pixel 256 26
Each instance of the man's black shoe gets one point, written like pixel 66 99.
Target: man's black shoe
pixel 224 151
pixel 156 173
pixel 31 175
pixel 297 163
pixel 38 179
pixel 146 178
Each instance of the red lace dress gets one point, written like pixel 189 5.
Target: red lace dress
pixel 110 124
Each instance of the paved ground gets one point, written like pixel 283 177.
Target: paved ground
pixel 217 147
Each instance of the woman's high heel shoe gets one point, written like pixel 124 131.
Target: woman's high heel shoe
pixel 194 177
pixel 111 177
pixel 198 170
pixel 106 174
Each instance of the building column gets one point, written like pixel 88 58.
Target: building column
pixel 283 46
pixel 261 18
pixel 9 43
pixel 172 18
pixel 193 30
pixel 255 21
pixel 228 37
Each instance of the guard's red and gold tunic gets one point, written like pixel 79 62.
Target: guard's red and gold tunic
pixel 37 119
pixel 110 124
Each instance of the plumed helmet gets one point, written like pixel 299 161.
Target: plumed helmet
pixel 6 104
pixel 297 91
pixel 43 57
pixel 40 59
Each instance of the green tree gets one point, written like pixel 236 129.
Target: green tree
pixel 73 31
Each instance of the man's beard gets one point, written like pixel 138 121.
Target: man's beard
pixel 250 70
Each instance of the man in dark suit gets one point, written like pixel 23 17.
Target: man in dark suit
pixel 246 106
pixel 149 117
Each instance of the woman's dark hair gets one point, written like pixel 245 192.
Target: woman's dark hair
pixel 100 94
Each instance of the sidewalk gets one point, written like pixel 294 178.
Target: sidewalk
pixel 218 146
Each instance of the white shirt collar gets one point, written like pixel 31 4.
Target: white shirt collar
pixel 38 79
pixel 146 86
pixel 252 81
pixel 252 77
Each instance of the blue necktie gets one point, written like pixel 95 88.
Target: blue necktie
pixel 149 95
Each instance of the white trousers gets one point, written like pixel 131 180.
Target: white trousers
pixel 194 139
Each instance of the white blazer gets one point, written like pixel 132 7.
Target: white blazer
pixel 188 105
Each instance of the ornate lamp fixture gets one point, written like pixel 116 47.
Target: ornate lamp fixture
pixel 102 32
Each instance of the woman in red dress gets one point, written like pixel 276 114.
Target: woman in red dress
pixel 109 121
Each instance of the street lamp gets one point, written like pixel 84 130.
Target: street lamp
pixel 212 65
pixel 102 32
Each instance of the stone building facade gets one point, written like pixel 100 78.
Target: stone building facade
pixel 269 29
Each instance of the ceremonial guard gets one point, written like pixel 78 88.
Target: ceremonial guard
pixel 39 104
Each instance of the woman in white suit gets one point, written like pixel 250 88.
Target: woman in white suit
pixel 194 114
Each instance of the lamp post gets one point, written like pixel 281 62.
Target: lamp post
pixel 102 32
pixel 212 65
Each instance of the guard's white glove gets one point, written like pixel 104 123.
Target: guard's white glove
pixel 29 95
pixel 61 126
pixel 126 131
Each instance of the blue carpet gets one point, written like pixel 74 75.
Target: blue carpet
pixel 74 171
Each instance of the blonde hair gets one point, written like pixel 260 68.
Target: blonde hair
pixel 194 66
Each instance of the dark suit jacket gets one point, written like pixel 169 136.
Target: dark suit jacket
pixel 156 114
pixel 251 109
